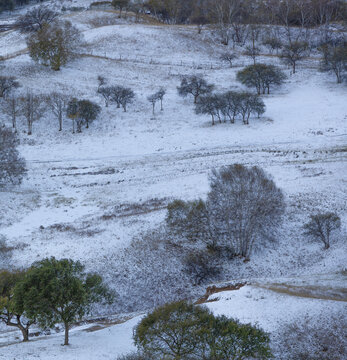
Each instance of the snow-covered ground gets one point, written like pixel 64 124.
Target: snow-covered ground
pixel 74 181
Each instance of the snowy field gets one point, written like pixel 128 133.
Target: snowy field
pixel 75 181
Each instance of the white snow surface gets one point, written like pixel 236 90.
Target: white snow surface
pixel 134 157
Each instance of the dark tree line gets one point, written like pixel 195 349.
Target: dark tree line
pixel 232 12
pixel 12 4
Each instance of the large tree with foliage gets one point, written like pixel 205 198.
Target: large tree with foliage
pixel 54 44
pixel 184 331
pixel 54 291
pixel 261 77
pixel 11 308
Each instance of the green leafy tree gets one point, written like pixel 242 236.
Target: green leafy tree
pixel 54 44
pixel 229 339
pixel 54 291
pixel 181 331
pixel 11 307
pixel 261 77
pixel 173 331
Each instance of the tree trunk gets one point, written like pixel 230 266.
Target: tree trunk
pixel 25 333
pixel 66 341
pixel 161 105
pixel 30 127
pixel 294 68
pixel 60 121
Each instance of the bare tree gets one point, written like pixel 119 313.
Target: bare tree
pixel 72 112
pixel 101 81
pixel 127 97
pixel 212 105
pixel 246 206
pixel 231 107
pixel 249 104
pixel 12 166
pixel 106 92
pixel 336 61
pixel 161 93
pixel 229 58
pixel 57 102
pixel 11 107
pixel 194 85
pixel 153 100
pixel 294 52
pixel 32 107
pixel 321 226
pixel 122 96
pixel 7 84
pixel 252 52
pixel 207 104
pixel 226 13
pixel 35 19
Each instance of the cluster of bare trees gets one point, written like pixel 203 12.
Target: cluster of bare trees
pixel 158 96
pixel 32 107
pixel 224 106
pixel 230 106
pixel 120 95
pixel 229 13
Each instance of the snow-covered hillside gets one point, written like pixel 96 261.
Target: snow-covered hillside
pixel 83 192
